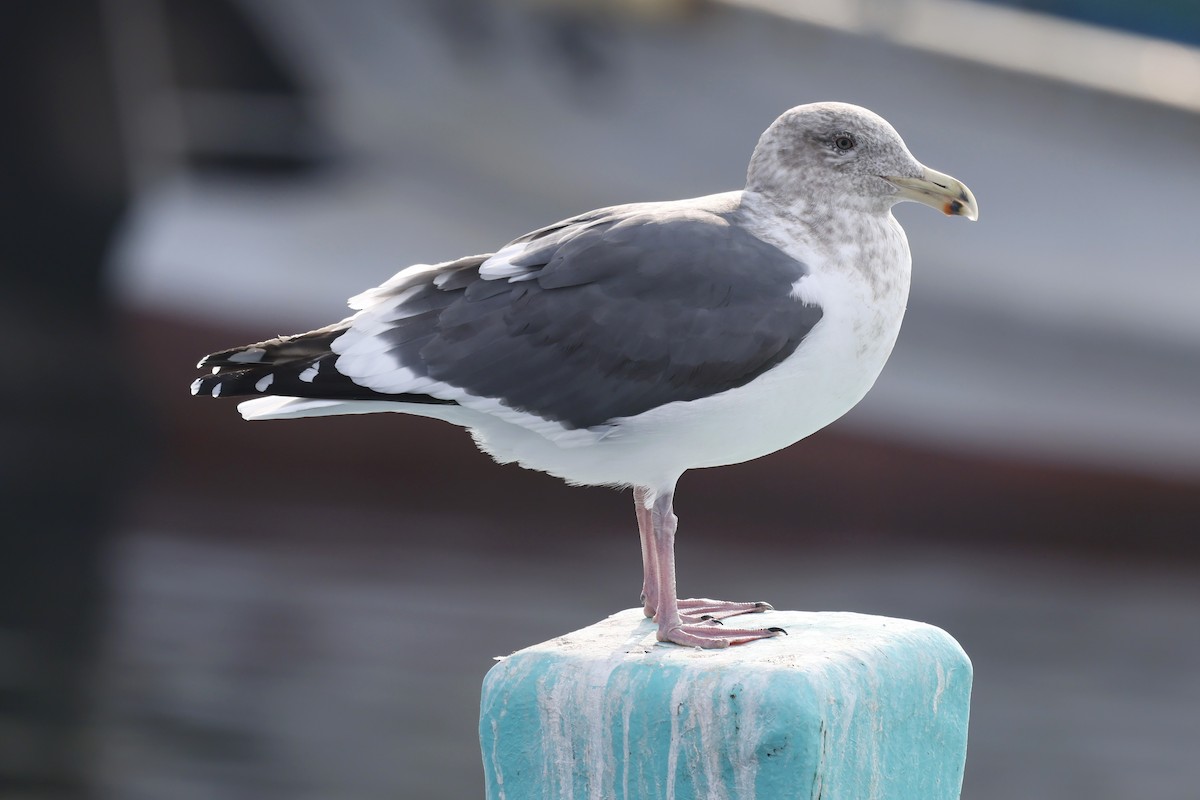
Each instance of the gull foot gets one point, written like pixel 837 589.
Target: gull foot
pixel 701 609
pixel 696 609
pixel 713 636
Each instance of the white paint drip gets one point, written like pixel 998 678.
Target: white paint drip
pixel 704 693
pixel 673 748
pixel 598 749
pixel 751 690
pixel 497 764
pixel 559 744
pixel 626 715
pixel 941 685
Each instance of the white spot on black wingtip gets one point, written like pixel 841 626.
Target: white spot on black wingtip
pixel 309 373
pixel 215 370
pixel 196 386
pixel 249 355
pixel 265 381
pixel 216 390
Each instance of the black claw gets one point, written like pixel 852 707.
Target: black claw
pixel 767 606
pixel 778 630
pixel 709 618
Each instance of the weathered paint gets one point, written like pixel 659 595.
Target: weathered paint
pixel 846 707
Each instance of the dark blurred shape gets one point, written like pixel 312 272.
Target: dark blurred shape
pixel 242 111
pixel 199 88
pixel 73 432
pixel 571 39
pixel 468 25
pixel 70 437
pixel 212 48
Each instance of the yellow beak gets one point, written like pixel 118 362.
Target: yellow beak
pixel 938 190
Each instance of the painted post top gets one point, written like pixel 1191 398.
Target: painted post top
pixel 845 707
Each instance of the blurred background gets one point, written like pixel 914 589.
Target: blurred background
pixel 195 607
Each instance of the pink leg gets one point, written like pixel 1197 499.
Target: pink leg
pixel 641 507
pixel 689 630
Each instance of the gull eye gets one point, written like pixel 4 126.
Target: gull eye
pixel 844 142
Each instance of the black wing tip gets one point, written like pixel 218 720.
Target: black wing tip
pixel 261 380
pixel 206 385
pixel 219 384
pixel 242 380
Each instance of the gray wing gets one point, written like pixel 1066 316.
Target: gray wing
pixel 602 316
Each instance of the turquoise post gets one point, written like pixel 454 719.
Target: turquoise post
pixel 846 707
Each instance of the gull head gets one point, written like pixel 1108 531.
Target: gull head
pixel 842 155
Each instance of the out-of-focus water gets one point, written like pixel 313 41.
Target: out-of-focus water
pixel 324 661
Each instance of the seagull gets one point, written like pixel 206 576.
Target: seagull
pixel 624 346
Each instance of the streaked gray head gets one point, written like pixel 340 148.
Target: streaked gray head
pixel 846 155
